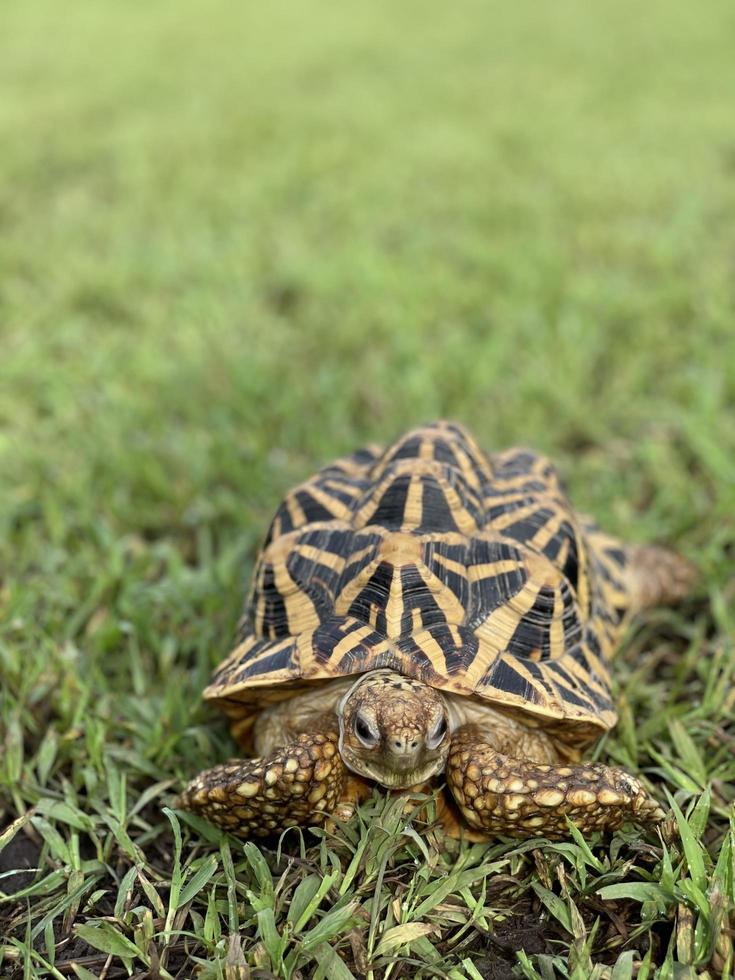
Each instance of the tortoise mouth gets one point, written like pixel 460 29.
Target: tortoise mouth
pixel 395 778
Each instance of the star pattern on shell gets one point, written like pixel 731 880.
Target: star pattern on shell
pixel 468 571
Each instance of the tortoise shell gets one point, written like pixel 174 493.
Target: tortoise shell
pixel 470 572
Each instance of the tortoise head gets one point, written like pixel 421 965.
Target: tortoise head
pixel 393 729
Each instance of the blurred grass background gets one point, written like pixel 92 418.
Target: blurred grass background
pixel 236 241
pixel 229 231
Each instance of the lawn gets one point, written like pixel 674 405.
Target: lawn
pixel 237 241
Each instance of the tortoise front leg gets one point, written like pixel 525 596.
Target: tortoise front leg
pixel 296 785
pixel 501 794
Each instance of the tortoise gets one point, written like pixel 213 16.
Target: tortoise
pixel 430 611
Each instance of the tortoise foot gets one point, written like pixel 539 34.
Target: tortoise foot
pixel 299 784
pixel 503 795
pixel 659 577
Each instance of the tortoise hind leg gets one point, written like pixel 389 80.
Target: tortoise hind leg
pixel 501 794
pixel 657 576
pixel 299 784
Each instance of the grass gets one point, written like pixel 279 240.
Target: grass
pixel 239 241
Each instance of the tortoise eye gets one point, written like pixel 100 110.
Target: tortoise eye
pixel 436 737
pixel 364 732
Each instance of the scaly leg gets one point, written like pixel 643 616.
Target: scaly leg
pixel 299 784
pixel 657 576
pixel 501 794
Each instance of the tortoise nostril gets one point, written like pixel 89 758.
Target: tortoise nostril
pixel 403 744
